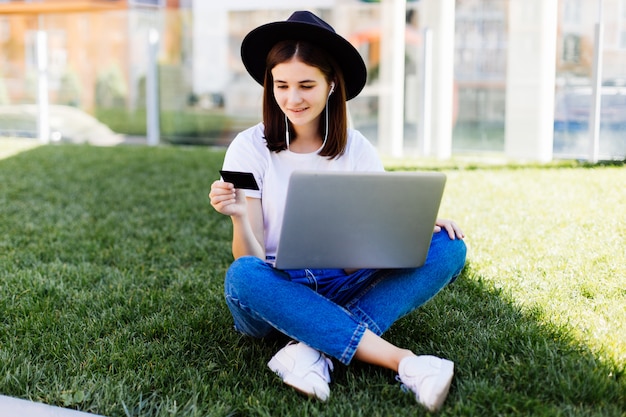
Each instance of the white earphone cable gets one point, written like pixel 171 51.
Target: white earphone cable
pixel 325 126
pixel 287 131
pixel 326 123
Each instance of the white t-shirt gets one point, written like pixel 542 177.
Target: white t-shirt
pixel 248 152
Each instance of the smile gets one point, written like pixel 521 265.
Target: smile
pixel 298 110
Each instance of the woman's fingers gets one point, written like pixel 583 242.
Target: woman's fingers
pixel 222 194
pixel 453 230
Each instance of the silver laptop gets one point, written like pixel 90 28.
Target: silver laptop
pixel 359 219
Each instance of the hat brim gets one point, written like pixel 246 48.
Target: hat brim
pixel 258 43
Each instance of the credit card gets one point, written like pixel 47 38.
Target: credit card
pixel 243 180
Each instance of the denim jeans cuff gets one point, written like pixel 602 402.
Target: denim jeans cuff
pixel 350 350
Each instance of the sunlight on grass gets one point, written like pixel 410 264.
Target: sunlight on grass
pixel 553 239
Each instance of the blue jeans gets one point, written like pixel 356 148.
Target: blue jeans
pixel 330 310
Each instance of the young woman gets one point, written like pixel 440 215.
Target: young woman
pixel 308 73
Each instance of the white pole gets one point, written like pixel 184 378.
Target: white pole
pixel 530 79
pixel 152 90
pixel 438 15
pixel 596 89
pixel 397 79
pixel 425 120
pixel 43 119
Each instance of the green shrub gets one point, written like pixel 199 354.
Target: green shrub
pixel 191 127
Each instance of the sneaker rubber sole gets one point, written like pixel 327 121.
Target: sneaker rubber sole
pixel 299 384
pixel 441 385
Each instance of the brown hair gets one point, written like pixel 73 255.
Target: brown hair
pixel 274 118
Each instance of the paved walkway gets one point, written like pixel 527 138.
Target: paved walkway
pixel 13 146
pixel 14 407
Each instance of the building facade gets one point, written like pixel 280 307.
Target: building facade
pixel 97 61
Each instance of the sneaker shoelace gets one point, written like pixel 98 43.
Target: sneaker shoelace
pixel 322 366
pixel 405 388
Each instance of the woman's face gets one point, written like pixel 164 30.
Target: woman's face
pixel 301 91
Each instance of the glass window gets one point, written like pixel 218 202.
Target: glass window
pixel 5 29
pixel 154 3
pixel 571 48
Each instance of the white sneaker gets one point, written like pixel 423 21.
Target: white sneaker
pixel 428 377
pixel 303 368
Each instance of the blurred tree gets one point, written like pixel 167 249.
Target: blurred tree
pixel 4 94
pixel 111 90
pixel 30 87
pixel 70 89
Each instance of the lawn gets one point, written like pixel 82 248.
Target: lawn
pixel 111 268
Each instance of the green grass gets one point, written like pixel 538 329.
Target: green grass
pixel 111 268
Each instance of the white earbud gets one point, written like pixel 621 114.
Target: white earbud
pixel 332 88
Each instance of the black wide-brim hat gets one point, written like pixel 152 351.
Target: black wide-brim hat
pixel 305 26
